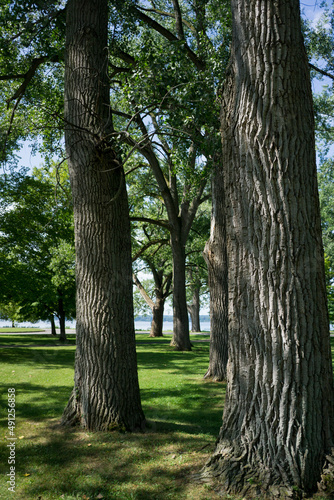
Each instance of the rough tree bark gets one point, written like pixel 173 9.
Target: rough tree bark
pixel 53 325
pixel 157 318
pixel 216 259
pixel 106 391
pixel 194 310
pixel 181 339
pixel 195 305
pixel 278 417
pixel 62 318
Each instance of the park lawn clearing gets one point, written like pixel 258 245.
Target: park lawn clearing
pixel 53 462
pixel 20 330
pixel 35 340
pixel 167 337
pixel 184 415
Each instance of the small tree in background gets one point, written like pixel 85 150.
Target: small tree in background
pixel 36 224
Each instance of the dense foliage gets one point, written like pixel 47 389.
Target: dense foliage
pixel 36 244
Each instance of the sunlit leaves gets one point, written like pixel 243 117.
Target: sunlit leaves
pixel 36 242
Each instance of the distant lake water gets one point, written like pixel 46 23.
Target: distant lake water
pixel 168 325
pixel 139 325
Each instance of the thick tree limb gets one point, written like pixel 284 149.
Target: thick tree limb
pixel 124 56
pixel 121 113
pixel 178 20
pixel 167 285
pixel 13 77
pixel 190 214
pixel 143 292
pixel 118 69
pixel 28 76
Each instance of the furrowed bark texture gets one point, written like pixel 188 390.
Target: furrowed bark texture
pixel 278 417
pixel 216 258
pixel 194 310
pixel 181 338
pixel 157 318
pixel 106 391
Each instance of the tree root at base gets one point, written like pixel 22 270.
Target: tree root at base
pixel 229 474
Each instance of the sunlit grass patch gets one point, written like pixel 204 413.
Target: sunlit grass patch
pixel 19 330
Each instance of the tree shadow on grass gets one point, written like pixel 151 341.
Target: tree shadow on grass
pixel 37 402
pixel 196 408
pixel 47 340
pixel 38 357
pixel 184 422
pixel 152 465
pixel 162 358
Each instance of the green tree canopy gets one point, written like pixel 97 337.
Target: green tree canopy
pixel 36 240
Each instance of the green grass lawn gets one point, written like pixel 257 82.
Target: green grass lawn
pixel 19 330
pixel 57 463
pixel 40 339
pixel 52 462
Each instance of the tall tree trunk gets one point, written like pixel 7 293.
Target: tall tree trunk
pixel 106 390
pixel 62 319
pixel 53 325
pixel 216 258
pixel 181 339
pixel 194 310
pixel 278 416
pixel 158 318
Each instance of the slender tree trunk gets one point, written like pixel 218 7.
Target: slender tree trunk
pixel 278 416
pixel 62 320
pixel 106 391
pixel 194 310
pixel 53 325
pixel 158 318
pixel 181 339
pixel 216 258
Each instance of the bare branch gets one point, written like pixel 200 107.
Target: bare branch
pixel 321 71
pixel 12 77
pixel 169 36
pixel 41 23
pixel 147 246
pixel 168 14
pixel 157 222
pixel 121 113
pixel 136 168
